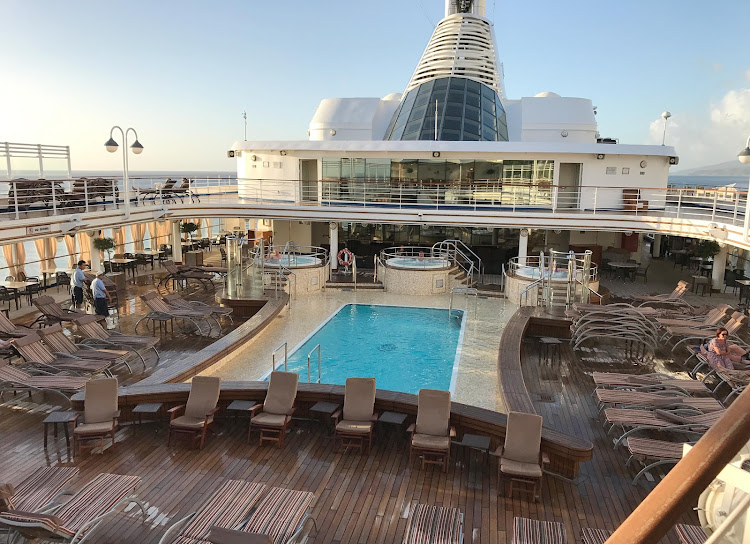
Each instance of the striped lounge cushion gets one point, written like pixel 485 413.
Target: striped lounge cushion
pixel 690 534
pixel 434 525
pixel 226 508
pixel 531 531
pixel 39 488
pixel 594 536
pixel 279 513
pixel 97 498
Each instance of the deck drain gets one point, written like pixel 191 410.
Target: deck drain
pixel 545 397
pixel 387 347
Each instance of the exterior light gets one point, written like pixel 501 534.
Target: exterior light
pixel 665 115
pixel 282 153
pixel 436 154
pixel 137 148
pixel 111 145
pixel 744 155
pixel 600 156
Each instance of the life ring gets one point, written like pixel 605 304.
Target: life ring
pixel 346 257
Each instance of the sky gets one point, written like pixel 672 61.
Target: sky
pixel 182 73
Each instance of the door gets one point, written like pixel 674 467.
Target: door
pixel 569 185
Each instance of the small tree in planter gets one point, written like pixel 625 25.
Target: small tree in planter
pixel 104 244
pixel 706 249
pixel 189 229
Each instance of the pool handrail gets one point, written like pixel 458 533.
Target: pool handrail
pixel 308 364
pixel 467 291
pixel 286 358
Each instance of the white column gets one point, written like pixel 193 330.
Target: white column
pixel 176 242
pixel 523 247
pixel 96 262
pixel 656 246
pixel 333 235
pixel 720 265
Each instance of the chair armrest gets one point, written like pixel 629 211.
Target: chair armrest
pixel 336 416
pixel 290 413
pixel 173 411
pixel 116 415
pixel 212 413
pixel 75 419
pixel 255 408
pixel 498 452
pixel 374 416
pixel 545 458
pixel 412 428
pixel 452 432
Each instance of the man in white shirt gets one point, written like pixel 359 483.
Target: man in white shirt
pixel 101 295
pixel 78 278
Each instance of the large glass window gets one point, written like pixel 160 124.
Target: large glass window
pixel 466 110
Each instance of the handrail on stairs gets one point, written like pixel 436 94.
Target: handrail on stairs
pixel 467 291
pixel 273 356
pixel 308 363
pixel 525 292
pixel 455 248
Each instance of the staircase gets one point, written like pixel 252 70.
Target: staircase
pixel 557 294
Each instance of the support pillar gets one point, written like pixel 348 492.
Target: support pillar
pixel 176 242
pixel 96 261
pixel 720 265
pixel 333 236
pixel 523 246
pixel 656 246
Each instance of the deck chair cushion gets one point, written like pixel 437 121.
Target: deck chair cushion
pixel 523 438
pixel 434 412
pixel 359 399
pixel 269 420
pixel 100 403
pixel 517 468
pixel 354 427
pixel 282 390
pixel 431 442
pixel 204 395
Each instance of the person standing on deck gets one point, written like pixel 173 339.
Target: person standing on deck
pixel 78 277
pixel 101 295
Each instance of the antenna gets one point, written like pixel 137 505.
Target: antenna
pixel 244 116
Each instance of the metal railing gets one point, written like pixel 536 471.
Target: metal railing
pixel 462 254
pixel 467 292
pixel 21 198
pixel 273 357
pixel 308 364
pixel 524 295
pixel 550 265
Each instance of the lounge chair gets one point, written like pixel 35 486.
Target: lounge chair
pixel 199 410
pixel 226 508
pixel 11 330
pixel 594 536
pixel 690 534
pixel 63 346
pixel 281 515
pixel 277 409
pixel 217 311
pixel 652 453
pixel 521 459
pixel 85 510
pixel 434 524
pixel 96 335
pixel 624 397
pixel 161 312
pixel 711 319
pixel 31 348
pixel 182 190
pixel 15 379
pixel 205 311
pixel 431 434
pixel 737 380
pixel 177 274
pixel 678 421
pixel 100 413
pixel 674 298
pixel 36 491
pixel 692 334
pixel 165 190
pixel 355 422
pixel 532 531
pixel 53 313
pixel 648 382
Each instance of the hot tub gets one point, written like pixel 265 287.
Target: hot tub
pixel 529 272
pixel 293 261
pixel 418 263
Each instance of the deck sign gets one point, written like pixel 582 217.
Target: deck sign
pixel 39 230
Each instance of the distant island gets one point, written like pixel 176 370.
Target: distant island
pixel 728 168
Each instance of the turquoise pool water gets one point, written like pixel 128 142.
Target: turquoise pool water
pixel 404 349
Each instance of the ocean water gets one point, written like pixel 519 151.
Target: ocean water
pixel 404 349
pixel 741 182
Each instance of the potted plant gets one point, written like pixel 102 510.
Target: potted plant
pixel 104 244
pixel 189 229
pixel 706 249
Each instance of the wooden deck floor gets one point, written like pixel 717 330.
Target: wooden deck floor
pixel 359 498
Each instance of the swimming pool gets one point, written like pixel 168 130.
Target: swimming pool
pixel 403 348
pixel 419 263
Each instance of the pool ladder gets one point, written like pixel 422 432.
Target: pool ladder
pixel 286 360
pixel 467 291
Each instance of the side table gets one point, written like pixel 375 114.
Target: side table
pixel 322 411
pixel 476 442
pixel 237 407
pixel 549 347
pixel 66 418
pixel 149 408
pixel 394 420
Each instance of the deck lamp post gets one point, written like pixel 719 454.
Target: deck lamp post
pixel 665 115
pixel 744 158
pixel 137 148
